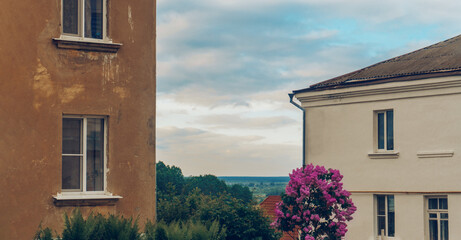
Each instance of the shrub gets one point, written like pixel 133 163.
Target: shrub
pixel 149 231
pixel 98 227
pixel 95 227
pixel 43 234
pixel 190 230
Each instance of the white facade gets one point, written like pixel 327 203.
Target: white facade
pixel 341 133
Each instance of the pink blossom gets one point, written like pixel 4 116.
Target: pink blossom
pixel 306 188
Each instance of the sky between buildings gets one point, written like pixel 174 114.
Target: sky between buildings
pixel 225 68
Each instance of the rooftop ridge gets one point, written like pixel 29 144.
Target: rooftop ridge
pixel 442 57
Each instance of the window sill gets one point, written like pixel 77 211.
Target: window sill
pixel 86 45
pixel 384 155
pixel 79 199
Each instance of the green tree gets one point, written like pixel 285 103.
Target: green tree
pixel 208 184
pixel 243 221
pixel 241 192
pixel 179 208
pixel 170 180
pixel 206 199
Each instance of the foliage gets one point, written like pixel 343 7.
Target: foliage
pixel 150 231
pixel 43 234
pixel 270 186
pixel 193 230
pixel 120 228
pixel 240 192
pixel 316 204
pixel 208 184
pixel 170 180
pixel 98 227
pixel 190 230
pixel 95 227
pixel 180 207
pixel 205 199
pixel 171 183
pixel 243 221
pixel 75 227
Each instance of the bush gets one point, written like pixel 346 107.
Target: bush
pixel 98 227
pixel 95 227
pixel 43 234
pixel 189 230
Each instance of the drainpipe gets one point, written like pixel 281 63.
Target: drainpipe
pixel 291 95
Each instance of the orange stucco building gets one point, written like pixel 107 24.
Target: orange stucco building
pixel 77 111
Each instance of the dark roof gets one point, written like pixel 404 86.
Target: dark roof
pixel 440 59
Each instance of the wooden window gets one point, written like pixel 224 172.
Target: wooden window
pixel 385 215
pixel 83 154
pixel 437 218
pixel 385 130
pixel 84 18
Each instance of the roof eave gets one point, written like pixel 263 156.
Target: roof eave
pixel 363 82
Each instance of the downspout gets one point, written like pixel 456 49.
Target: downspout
pixel 291 95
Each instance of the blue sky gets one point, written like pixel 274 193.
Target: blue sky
pixel 225 67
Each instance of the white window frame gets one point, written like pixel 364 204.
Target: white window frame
pixel 376 129
pixel 386 217
pixel 82 190
pixel 438 212
pixel 81 25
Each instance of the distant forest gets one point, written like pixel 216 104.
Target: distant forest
pixel 239 179
pixel 261 187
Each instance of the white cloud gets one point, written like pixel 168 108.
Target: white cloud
pixel 319 34
pixel 225 69
pixel 233 121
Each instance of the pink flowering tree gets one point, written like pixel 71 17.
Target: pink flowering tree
pixel 315 204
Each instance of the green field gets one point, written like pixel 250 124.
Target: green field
pixel 261 187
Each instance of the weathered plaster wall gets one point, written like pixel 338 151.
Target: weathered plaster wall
pixel 39 83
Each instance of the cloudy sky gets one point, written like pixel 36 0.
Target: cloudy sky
pixel 225 68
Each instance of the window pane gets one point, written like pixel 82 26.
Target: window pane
pixel 443 203
pixel 444 230
pixel 381 224
pixel 444 215
pixel 433 215
pixel 381 204
pixel 390 203
pixel 70 16
pixel 93 18
pixel 390 129
pixel 71 135
pixel 433 203
pixel 95 154
pixel 71 172
pixel 380 130
pixel 433 230
pixel 390 216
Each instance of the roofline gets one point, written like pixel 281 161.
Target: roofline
pixel 348 80
pixel 381 80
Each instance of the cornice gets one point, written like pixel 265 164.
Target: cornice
pixel 421 88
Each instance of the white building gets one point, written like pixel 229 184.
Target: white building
pixel 393 129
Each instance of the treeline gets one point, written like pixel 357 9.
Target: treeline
pixel 206 199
